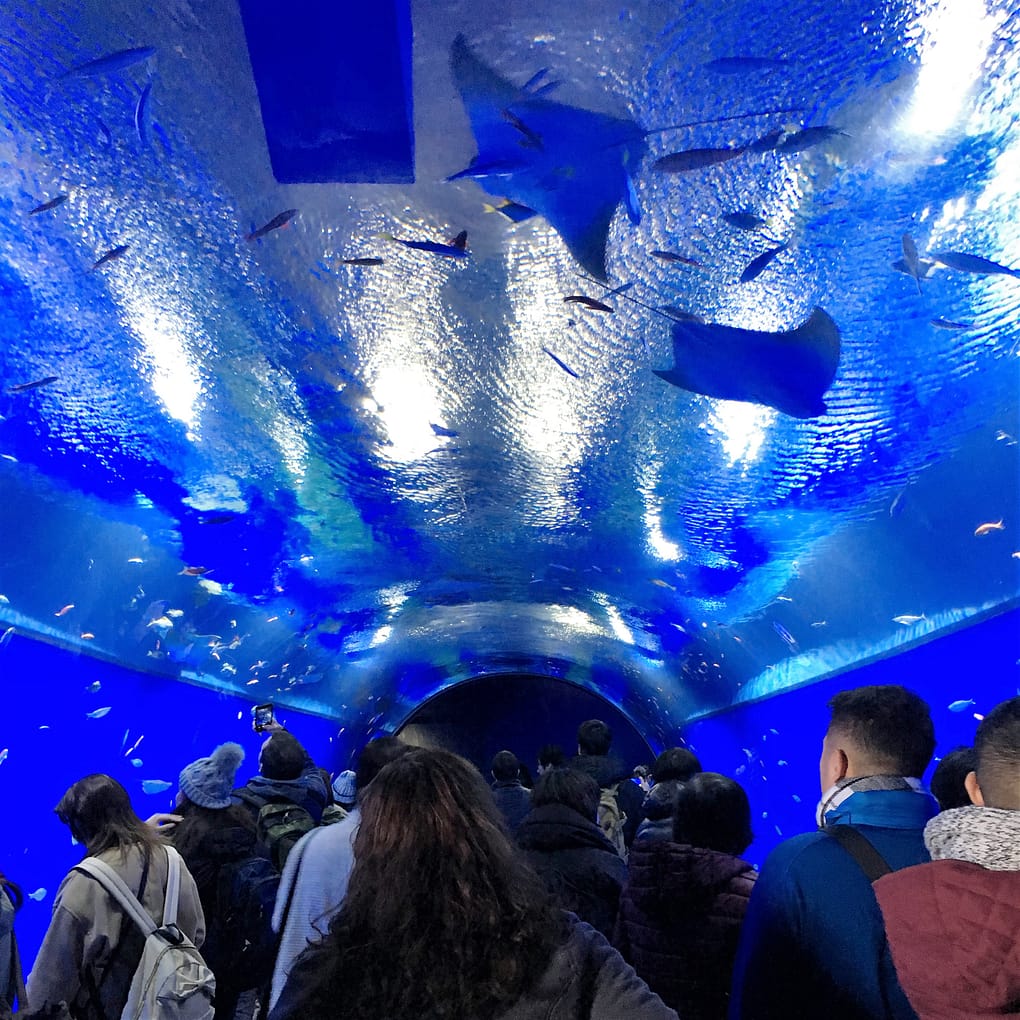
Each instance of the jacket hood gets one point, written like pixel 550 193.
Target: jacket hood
pixel 558 827
pixel 603 768
pixel 666 875
pixel 885 809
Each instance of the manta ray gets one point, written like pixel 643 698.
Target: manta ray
pixel 572 166
pixel 789 370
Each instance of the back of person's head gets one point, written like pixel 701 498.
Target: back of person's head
pixel 712 811
pixel 675 763
pixel 570 787
pixel 949 780
pixel 282 757
pixel 658 803
pixel 430 835
pixel 551 756
pixel 97 810
pixel 375 756
pixel 594 737
pixel 505 766
pixel 888 727
pixel 997 744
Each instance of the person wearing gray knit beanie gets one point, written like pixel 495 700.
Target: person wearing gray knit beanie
pixel 208 782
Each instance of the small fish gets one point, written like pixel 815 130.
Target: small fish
pixel 782 598
pixel 131 750
pixel 212 587
pixel 695 159
pixel 136 559
pixel 175 614
pixel 950 324
pixel 3 755
pixel 141 115
pixel 99 712
pixel 228 668
pixel 782 762
pixel 911 260
pixel 441 430
pixel 87 635
pixel 962 262
pixel 531 139
pixel 26 387
pixel 94 688
pixel 112 255
pixel 365 260
pixel 161 623
pixel 588 302
pixel 784 634
pixel 566 368
pixel 738 65
pixel 961 706
pixel 278 221
pixel 533 81
pixel 896 506
pixel 137 762
pixel 757 266
pixel 807 138
pixel 672 256
pixel 155 785
pixel 53 203
pixel 117 61
pixel 744 220
pixel 1001 436
pixel 659 583
pixel 5 638
pixel 989 527
pixel 38 895
pixel 193 571
pixel 513 211
pixel 678 314
pixel 908 619
pixel 64 610
pixel 457 247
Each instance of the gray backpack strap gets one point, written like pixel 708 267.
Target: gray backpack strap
pixel 118 889
pixel 173 886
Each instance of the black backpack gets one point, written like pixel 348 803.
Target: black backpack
pixel 241 945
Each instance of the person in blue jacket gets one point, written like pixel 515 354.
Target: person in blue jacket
pixel 813 942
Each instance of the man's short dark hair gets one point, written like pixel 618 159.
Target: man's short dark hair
pixel 947 781
pixel 997 744
pixel 283 757
pixel 375 756
pixel 889 724
pixel 712 811
pixel 675 763
pixel 505 766
pixel 575 789
pixel 551 756
pixel 594 737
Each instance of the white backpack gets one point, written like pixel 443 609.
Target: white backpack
pixel 172 981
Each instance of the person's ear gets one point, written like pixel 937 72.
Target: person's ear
pixel 844 764
pixel 973 788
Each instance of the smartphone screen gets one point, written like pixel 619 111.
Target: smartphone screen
pixel 263 716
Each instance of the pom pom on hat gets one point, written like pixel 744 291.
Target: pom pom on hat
pixel 208 782
pixel 344 789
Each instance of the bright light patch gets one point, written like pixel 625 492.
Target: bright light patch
pixel 381 636
pixel 407 402
pixel 620 629
pixel 574 618
pixel 955 36
pixel 741 428
pixel 661 546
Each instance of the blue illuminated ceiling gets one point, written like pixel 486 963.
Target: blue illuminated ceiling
pixel 387 472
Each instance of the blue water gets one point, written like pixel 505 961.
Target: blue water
pixel 389 484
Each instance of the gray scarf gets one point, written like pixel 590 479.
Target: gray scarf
pixel 981 835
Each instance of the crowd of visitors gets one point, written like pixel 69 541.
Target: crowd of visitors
pixel 413 888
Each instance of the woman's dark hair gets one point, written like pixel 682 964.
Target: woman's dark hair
pixel 13 891
pixel 442 917
pixel 571 787
pixel 97 810
pixel 197 822
pixel 551 755
pixel 675 763
pixel 712 811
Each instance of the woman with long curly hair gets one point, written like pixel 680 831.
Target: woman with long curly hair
pixel 91 948
pixel 443 919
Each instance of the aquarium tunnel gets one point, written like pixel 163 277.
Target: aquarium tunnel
pixel 468 370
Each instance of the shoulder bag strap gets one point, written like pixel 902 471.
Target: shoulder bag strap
pixel 118 889
pixel 173 886
pixel 861 849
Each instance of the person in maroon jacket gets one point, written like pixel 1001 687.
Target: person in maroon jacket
pixel 954 924
pixel 684 902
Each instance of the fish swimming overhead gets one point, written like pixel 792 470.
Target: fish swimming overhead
pixel 744 220
pixel 588 302
pixel 789 370
pixel 695 159
pixel 47 206
pixel 987 529
pixel 807 138
pixel 279 220
pixel 142 115
pixel 366 260
pixel 116 61
pixel 758 265
pixel 113 254
pixel 455 248
pixel 672 256
pixel 578 176
pixel 963 262
pixel 951 325
pixel 912 265
pixel 25 387
pixel 566 368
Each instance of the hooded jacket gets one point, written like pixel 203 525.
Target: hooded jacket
pixel 309 791
pixel 813 941
pixel 679 923
pixel 954 924
pixel 10 968
pixel 513 800
pixel 90 941
pixel 608 771
pixel 580 867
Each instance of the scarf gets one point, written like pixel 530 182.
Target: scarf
pixel 834 796
pixel 986 836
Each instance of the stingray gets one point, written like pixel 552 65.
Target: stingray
pixel 789 370
pixel 572 166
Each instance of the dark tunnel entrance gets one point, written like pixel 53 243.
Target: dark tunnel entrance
pixel 519 712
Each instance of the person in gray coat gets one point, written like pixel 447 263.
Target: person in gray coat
pixel 12 984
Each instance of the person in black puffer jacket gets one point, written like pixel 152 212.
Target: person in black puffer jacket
pixel 580 867
pixel 682 908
